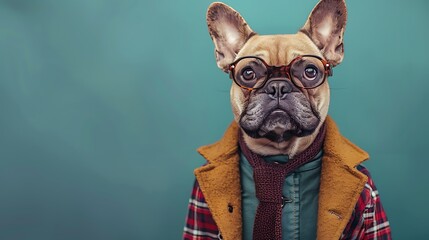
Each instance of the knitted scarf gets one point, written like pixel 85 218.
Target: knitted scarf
pixel 269 179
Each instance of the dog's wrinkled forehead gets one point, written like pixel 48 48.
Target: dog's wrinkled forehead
pixel 279 50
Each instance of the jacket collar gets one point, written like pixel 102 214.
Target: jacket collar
pixel 340 183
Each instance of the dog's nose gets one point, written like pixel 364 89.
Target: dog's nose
pixel 278 89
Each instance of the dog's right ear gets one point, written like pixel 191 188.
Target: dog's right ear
pixel 229 32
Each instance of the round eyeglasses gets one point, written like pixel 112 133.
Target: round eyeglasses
pixel 306 71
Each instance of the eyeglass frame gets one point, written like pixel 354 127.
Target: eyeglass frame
pixel 328 71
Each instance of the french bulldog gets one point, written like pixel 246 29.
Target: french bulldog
pixel 280 97
pixel 279 117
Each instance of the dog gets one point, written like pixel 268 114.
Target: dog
pixel 282 170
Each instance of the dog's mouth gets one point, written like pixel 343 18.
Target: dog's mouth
pixel 278 126
pixel 279 122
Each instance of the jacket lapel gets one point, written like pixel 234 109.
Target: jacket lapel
pixel 219 181
pixel 340 185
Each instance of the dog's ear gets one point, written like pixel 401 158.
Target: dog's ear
pixel 325 26
pixel 229 32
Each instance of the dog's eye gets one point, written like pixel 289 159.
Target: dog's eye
pixel 310 73
pixel 248 74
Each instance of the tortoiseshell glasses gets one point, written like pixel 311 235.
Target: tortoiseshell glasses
pixel 306 71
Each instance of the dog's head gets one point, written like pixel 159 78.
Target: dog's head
pixel 279 93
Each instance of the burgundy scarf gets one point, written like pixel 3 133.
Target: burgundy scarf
pixel 269 179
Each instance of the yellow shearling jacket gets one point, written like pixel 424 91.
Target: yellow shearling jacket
pixel 346 192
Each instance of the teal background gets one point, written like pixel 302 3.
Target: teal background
pixel 103 103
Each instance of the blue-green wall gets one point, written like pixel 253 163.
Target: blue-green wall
pixel 103 103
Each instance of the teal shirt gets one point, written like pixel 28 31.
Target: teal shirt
pixel 299 219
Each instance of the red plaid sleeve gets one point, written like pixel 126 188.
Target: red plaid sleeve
pixel 199 222
pixel 369 220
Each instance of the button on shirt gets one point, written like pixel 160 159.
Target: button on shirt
pixel 301 192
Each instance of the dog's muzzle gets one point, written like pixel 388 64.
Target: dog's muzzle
pixel 278 111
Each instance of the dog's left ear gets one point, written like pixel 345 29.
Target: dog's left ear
pixel 325 26
pixel 229 32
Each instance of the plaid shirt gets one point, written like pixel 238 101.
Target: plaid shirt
pixel 368 220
